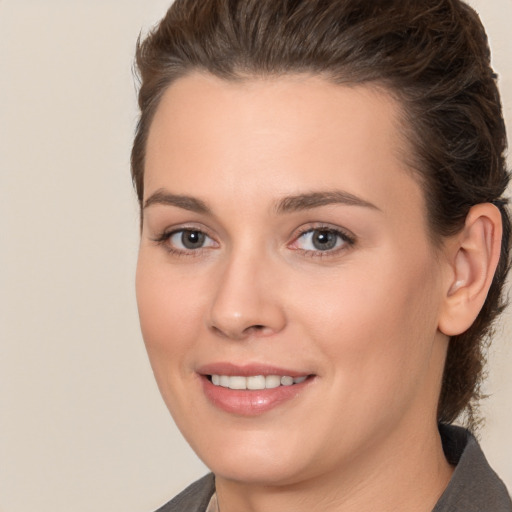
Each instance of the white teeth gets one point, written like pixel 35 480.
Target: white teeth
pixel 272 381
pixel 255 382
pixel 237 383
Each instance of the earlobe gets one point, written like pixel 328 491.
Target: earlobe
pixel 474 255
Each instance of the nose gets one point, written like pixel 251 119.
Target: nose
pixel 246 301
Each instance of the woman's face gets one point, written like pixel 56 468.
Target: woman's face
pixel 284 243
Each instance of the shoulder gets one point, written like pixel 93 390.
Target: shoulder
pixel 194 498
pixel 474 486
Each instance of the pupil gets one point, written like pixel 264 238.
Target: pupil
pixel 324 240
pixel 192 239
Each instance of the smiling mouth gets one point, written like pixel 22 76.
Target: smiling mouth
pixel 254 382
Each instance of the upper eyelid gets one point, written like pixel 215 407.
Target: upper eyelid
pixel 171 230
pixel 346 233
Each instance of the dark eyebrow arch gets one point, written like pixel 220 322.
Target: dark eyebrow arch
pixel 180 201
pixel 316 199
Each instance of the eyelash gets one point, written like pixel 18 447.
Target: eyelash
pixel 348 240
pixel 164 238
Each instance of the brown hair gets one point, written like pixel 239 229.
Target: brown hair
pixel 432 55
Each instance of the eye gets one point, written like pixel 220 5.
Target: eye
pixel 188 239
pixel 185 240
pixel 322 239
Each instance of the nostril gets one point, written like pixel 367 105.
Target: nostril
pixel 254 329
pixel 257 329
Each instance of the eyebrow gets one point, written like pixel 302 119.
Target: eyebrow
pixel 316 199
pixel 287 204
pixel 180 201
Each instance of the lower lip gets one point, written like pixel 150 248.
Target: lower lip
pixel 251 402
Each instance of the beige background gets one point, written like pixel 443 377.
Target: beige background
pixel 82 427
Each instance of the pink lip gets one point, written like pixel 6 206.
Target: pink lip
pixel 249 402
pixel 231 369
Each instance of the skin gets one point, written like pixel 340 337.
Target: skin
pixel 364 318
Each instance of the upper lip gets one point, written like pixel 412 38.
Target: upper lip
pixel 246 370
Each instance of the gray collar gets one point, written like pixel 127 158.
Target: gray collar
pixel 474 486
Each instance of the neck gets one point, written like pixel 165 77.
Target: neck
pixel 410 478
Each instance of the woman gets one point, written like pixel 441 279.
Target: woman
pixel 324 241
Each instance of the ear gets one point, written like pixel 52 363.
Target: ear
pixel 473 257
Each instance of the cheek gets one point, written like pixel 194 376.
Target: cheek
pixel 376 321
pixel 169 311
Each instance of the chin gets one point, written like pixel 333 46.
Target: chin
pixel 257 472
pixel 259 458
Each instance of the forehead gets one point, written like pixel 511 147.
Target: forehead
pixel 277 136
